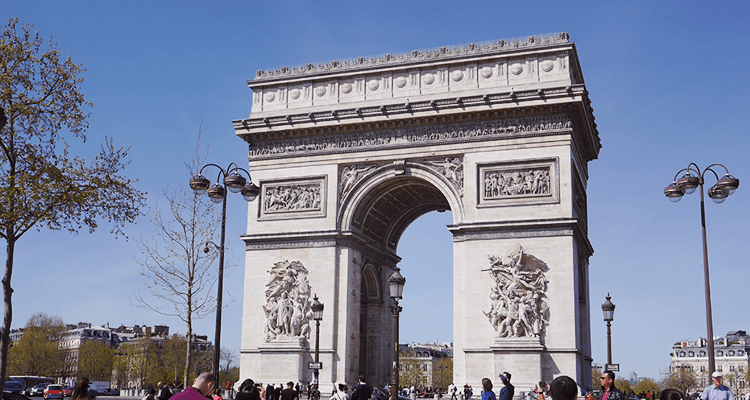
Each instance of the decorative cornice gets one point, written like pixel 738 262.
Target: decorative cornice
pixel 360 115
pixel 290 240
pixel 416 56
pixel 513 230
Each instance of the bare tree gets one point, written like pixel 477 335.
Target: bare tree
pixel 176 267
pixel 42 185
pixel 228 363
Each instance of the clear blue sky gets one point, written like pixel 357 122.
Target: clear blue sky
pixel 668 81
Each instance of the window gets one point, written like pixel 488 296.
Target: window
pixel 740 352
pixel 702 353
pixel 691 354
pixel 718 368
pixel 682 354
pixel 719 353
pixel 730 353
pixel 703 368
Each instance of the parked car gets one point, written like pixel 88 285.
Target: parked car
pixel 38 390
pixel 68 390
pixel 53 392
pixel 110 392
pixel 14 386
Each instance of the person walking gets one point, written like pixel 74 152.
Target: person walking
pixel 507 392
pixel 609 391
pixel 717 391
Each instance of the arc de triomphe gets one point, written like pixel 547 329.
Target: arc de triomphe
pixel 349 153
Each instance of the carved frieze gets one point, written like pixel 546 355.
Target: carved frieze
pixel 518 182
pixel 517 296
pixel 412 136
pixel 287 307
pixel 293 198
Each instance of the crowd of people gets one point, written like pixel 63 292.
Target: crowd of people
pixel 561 388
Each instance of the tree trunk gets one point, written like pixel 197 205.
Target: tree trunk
pixel 188 352
pixel 8 316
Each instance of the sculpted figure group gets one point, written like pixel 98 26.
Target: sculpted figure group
pixel 513 183
pixel 518 306
pixel 287 305
pixel 284 198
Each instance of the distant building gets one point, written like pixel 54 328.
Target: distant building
pixel 429 361
pixel 732 355
pixel 75 335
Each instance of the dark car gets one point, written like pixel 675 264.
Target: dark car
pixel 68 390
pixel 109 392
pixel 14 386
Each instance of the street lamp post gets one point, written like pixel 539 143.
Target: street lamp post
pixel 609 315
pixel 692 178
pixel 396 283
pixel 236 183
pixel 317 310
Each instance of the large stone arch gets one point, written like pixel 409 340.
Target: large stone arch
pixel 389 187
pixel 348 154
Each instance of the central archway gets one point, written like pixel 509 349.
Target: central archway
pixel 377 210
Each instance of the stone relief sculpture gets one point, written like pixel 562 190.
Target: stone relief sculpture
pixel 414 135
pixel 517 295
pixel 287 198
pixel 351 175
pixel 498 184
pixel 453 170
pixel 287 305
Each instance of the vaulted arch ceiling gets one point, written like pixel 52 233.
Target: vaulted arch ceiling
pixel 388 209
